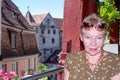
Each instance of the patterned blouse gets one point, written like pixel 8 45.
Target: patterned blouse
pixel 79 69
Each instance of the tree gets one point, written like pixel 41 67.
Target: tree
pixel 43 68
pixel 109 12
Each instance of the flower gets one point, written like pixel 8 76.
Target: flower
pixel 8 75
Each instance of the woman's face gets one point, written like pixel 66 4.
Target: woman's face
pixel 93 40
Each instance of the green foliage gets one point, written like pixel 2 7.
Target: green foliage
pixel 43 68
pixel 46 78
pixel 109 12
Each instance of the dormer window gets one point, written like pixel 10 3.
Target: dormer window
pixel 12 13
pixel 48 21
pixel 15 15
pixel 13 40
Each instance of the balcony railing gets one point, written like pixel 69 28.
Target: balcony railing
pixel 44 74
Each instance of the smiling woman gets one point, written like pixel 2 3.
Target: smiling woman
pixel 93 63
pixel 54 7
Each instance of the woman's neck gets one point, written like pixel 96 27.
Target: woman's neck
pixel 93 60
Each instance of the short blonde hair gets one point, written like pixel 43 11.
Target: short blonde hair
pixel 94 20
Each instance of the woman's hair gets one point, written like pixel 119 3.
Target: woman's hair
pixel 93 20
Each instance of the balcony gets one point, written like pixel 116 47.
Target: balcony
pixel 45 74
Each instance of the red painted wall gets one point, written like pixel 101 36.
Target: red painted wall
pixel 114 33
pixel 74 12
pixel 21 63
pixel 114 29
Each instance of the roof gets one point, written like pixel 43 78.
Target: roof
pixel 53 58
pixel 59 22
pixel 12 16
pixel 29 17
pixel 40 17
pixel 14 22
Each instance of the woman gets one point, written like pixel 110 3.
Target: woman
pixel 93 63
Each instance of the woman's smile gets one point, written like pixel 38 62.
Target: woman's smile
pixel 93 49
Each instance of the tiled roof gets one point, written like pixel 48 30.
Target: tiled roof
pixel 39 17
pixel 12 16
pixel 29 17
pixel 14 22
pixel 59 22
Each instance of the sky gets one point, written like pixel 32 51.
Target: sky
pixel 54 7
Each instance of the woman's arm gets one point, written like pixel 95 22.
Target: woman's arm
pixel 116 77
pixel 66 74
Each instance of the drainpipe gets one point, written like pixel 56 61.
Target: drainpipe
pixel 0 37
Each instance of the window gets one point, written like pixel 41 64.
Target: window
pixel 15 15
pixel 34 63
pixel 54 31
pixel 44 57
pixel 42 31
pixel 36 30
pixel 44 52
pixel 51 51
pixel 69 44
pixel 27 64
pixel 43 40
pixel 13 41
pixel 48 31
pixel 4 67
pixel 15 67
pixel 52 26
pixel 51 76
pixel 48 21
pixel 53 40
pixel 12 14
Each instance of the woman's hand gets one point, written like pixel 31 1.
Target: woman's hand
pixel 116 77
pixel 66 74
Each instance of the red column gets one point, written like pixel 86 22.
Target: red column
pixel 74 12
pixel 114 29
pixel 114 33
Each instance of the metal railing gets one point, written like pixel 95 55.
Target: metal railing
pixel 44 74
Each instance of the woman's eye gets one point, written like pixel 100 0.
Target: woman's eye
pixel 87 37
pixel 99 37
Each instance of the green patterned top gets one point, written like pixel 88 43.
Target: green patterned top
pixel 79 69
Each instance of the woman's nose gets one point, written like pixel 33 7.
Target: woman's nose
pixel 93 42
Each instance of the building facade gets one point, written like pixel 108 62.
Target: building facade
pixel 48 34
pixel 18 44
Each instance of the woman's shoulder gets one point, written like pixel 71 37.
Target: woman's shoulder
pixel 114 57
pixel 71 57
pixel 75 54
pixel 113 62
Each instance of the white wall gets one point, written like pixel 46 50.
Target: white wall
pixel 113 48
pixel 48 38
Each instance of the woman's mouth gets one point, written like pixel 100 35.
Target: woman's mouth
pixel 93 49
